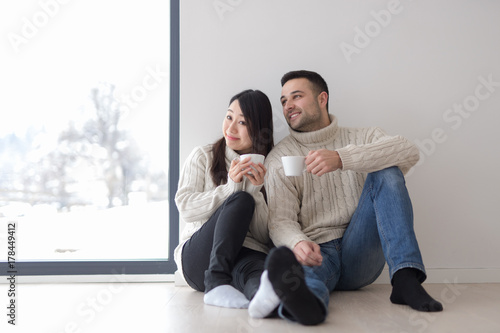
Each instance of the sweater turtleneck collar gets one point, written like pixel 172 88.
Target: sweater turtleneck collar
pixel 318 137
pixel 231 154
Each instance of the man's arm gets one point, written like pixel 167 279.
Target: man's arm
pixel 379 152
pixel 308 253
pixel 321 161
pixel 284 202
pixel 376 152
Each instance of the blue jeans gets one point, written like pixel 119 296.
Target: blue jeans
pixel 380 230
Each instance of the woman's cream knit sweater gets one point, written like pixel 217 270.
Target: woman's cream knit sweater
pixel 319 209
pixel 198 198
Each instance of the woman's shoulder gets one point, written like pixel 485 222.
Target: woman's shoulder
pixel 202 150
pixel 200 155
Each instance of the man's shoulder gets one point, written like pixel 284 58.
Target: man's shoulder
pixel 282 148
pixel 356 134
pixel 357 129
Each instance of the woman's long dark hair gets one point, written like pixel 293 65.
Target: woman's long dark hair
pixel 258 114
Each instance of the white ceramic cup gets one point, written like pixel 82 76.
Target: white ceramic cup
pixel 255 158
pixel 294 165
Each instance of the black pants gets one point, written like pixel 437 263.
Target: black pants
pixel 214 255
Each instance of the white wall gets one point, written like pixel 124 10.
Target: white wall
pixel 422 62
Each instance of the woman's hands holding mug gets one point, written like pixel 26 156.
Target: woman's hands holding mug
pixel 246 168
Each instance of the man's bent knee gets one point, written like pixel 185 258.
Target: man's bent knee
pixel 389 175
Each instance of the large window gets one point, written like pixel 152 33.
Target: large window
pixel 89 136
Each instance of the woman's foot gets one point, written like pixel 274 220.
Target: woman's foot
pixel 226 296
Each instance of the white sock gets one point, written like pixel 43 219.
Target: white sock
pixel 226 296
pixel 265 300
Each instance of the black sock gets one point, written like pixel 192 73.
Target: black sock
pixel 408 290
pixel 287 278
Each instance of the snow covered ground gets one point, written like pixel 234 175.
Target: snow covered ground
pixel 131 232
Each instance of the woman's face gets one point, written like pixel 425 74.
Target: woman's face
pixel 235 130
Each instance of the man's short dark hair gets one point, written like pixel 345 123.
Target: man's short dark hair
pixel 318 83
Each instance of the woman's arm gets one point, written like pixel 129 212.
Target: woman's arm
pixel 197 198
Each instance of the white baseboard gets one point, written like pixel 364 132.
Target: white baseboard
pixel 434 275
pixel 456 275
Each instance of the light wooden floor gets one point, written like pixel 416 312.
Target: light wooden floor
pixel 163 307
pixel 468 308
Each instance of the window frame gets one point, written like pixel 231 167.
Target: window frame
pixel 135 267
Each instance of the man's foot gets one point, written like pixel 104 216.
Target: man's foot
pixel 407 290
pixel 287 278
pixel 265 300
pixel 226 296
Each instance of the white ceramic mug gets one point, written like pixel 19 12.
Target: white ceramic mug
pixel 255 158
pixel 294 165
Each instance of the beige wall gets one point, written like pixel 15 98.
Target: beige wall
pixel 428 70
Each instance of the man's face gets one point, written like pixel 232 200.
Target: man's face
pixel 301 106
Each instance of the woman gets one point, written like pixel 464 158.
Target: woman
pixel 224 245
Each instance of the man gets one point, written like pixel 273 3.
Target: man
pixel 337 224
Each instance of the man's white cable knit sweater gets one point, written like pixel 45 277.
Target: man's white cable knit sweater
pixel 198 198
pixel 319 209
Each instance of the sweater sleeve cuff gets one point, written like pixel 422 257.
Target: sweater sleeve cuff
pixel 345 157
pixel 297 240
pixel 235 187
pixel 281 239
pixel 252 189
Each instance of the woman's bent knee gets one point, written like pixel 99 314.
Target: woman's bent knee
pixel 242 199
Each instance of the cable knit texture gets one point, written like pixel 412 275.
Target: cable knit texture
pixel 198 198
pixel 319 209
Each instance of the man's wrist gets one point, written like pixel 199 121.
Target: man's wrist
pixel 340 164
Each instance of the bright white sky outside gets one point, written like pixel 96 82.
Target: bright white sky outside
pixel 75 45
